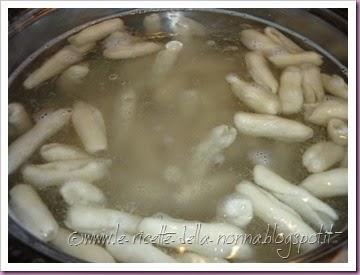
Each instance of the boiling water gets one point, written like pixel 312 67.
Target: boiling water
pixel 151 158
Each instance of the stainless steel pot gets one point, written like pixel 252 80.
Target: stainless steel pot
pixel 321 28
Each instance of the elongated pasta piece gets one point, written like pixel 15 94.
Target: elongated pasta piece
pixel 312 84
pixel 235 209
pixel 19 120
pixel 327 184
pixel 118 39
pixel 216 232
pixel 53 66
pixel 257 41
pixel 260 71
pixel 272 127
pixel 322 155
pixel 58 172
pixel 290 91
pixel 91 219
pixel 96 32
pixel 90 127
pixel 32 213
pixel 133 250
pixel 335 85
pixel 338 131
pixel 185 26
pixel 220 138
pixel 309 207
pixel 152 23
pixel 282 60
pixel 78 192
pixel 85 251
pixel 190 257
pixel 275 213
pixel 23 147
pixel 321 113
pixel 254 96
pixel 132 51
pixel 57 151
pixel 281 39
pixel 166 60
pixel 72 77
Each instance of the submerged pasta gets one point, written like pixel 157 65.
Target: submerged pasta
pixel 176 120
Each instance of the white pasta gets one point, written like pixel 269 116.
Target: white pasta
pixel 254 96
pixel 218 233
pixel 335 85
pixel 72 77
pixel 57 151
pixel 32 213
pixel 77 192
pixel 90 127
pixel 88 252
pixel 257 41
pixel 260 71
pixel 272 127
pixel 338 131
pixel 282 60
pixel 91 219
pixel 321 113
pixel 322 156
pixel 96 32
pixel 185 26
pixel 312 84
pixel 220 138
pixel 58 172
pixel 19 120
pixel 290 91
pixel 309 207
pixel 235 209
pixel 53 66
pixel 279 38
pixel 166 60
pixel 327 184
pixel 152 23
pixel 133 250
pixel 275 213
pixel 133 50
pixel 118 39
pixel 24 146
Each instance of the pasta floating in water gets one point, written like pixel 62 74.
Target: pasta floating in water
pixel 92 219
pixel 312 85
pixel 32 213
pixel 134 250
pixel 88 252
pixel 19 120
pixel 273 127
pixel 260 71
pixel 283 60
pixel 90 126
pixel 322 156
pixel 23 147
pixel 327 184
pixel 322 112
pixel 335 85
pixel 96 32
pixel 218 233
pixel 72 77
pixel 76 192
pixel 254 96
pixel 256 41
pixel 57 151
pixel 279 38
pixel 338 131
pixel 55 65
pixel 58 172
pixel 290 91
